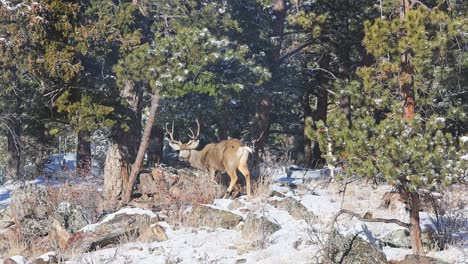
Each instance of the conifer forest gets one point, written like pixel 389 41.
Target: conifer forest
pixel 233 131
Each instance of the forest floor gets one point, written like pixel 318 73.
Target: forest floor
pixel 298 239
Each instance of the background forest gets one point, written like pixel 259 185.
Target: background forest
pixel 374 89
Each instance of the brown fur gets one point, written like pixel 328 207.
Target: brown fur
pixel 226 156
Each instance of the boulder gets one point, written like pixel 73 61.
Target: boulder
pixel 416 259
pixel 295 208
pixel 235 204
pixel 398 238
pixel 16 260
pixel 258 227
pixel 47 258
pixel 154 232
pixel 353 249
pixel 202 215
pixel 123 222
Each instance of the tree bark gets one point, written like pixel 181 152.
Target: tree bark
pixel 142 149
pixel 13 150
pixel 155 147
pixel 415 229
pixel 307 143
pixel 321 114
pixel 126 141
pixel 83 153
pixel 13 140
pixel 261 125
pixel 406 72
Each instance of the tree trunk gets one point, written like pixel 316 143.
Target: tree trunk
pixel 321 114
pixel 13 152
pixel 406 72
pixel 83 153
pixel 115 173
pixel 13 138
pixel 120 158
pixel 155 147
pixel 261 123
pixel 415 229
pixel 307 144
pixel 223 121
pixel 142 149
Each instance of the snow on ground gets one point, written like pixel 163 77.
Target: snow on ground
pixel 290 244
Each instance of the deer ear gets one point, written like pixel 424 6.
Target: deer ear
pixel 174 146
pixel 193 144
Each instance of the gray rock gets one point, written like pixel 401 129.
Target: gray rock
pixel 202 215
pixel 236 204
pixel 258 227
pixel 353 249
pixel 48 258
pixel 295 208
pixel 398 238
pixel 416 259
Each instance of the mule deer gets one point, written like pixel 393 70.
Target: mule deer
pixel 226 156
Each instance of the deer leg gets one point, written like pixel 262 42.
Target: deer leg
pixel 233 176
pixel 245 171
pixel 212 173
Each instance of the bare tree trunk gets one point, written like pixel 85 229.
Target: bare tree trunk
pixel 83 153
pixel 120 158
pixel 415 229
pixel 142 149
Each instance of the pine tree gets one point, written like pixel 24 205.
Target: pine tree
pixel 400 132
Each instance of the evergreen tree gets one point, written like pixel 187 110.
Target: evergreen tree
pixel 416 65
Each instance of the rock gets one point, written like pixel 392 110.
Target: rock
pixel 256 226
pixel 72 218
pixel 124 222
pixel 47 258
pixel 398 238
pixel 16 260
pixel 235 204
pixel 353 249
pixel 277 194
pixel 6 224
pixel 415 259
pixel 202 215
pixel 295 208
pixel 147 184
pixel 154 232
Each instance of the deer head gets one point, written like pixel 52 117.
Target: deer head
pixel 184 148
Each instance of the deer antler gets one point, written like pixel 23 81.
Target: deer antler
pixel 193 136
pixel 171 134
